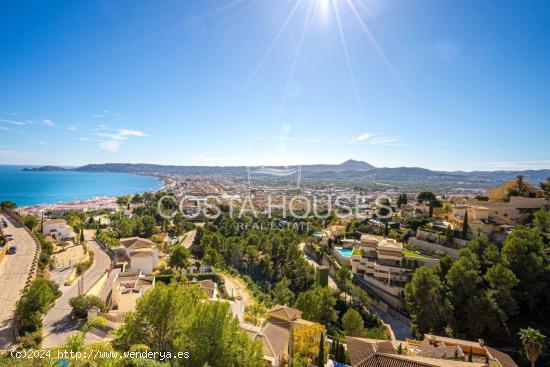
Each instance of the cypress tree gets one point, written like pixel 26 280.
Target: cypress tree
pixel 321 357
pixel 465 226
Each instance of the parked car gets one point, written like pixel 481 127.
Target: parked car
pixel 12 250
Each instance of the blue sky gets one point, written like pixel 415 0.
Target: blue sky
pixel 438 84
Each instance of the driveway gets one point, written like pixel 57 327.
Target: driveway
pixel 401 330
pixel 315 264
pixel 14 270
pixel 58 324
pixel 189 238
pixel 235 287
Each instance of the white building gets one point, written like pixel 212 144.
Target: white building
pixel 58 229
pixel 127 288
pixel 139 254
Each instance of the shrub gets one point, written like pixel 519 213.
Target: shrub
pixel 83 266
pixel 36 300
pixel 43 260
pixel 82 304
pixel 32 340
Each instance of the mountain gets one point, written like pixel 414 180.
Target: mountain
pixel 349 171
pixel 349 165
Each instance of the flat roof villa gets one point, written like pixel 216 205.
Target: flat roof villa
pixel 128 287
pixel 384 267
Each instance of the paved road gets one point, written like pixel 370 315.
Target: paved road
pixel 14 270
pixel 58 324
pixel 401 330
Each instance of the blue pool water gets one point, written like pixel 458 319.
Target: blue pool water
pixel 345 252
pixel 28 188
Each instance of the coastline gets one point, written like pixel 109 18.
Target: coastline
pixel 79 199
pixel 89 204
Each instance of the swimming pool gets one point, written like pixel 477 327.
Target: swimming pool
pixel 344 252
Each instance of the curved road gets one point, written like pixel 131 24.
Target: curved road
pixel 14 270
pixel 58 324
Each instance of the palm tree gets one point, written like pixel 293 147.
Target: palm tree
pixel 533 342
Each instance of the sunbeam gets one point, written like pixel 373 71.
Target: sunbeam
pixel 373 39
pixel 348 62
pixel 267 52
pixel 296 55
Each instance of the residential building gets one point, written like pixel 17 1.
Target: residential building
pixel 498 193
pixel 138 254
pixel 209 288
pixel 57 229
pixel 432 351
pixel 382 265
pixel 275 336
pixel 127 288
pixel 508 212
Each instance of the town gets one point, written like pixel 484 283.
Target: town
pixel 416 278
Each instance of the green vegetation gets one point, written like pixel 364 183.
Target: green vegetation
pixel 82 304
pixel 533 342
pixel 259 249
pixel 8 205
pixel 409 253
pixel 36 300
pixel 85 265
pixel 172 318
pixel 353 323
pixel 490 291
pixel 30 221
pixel 465 227
pixel 402 200
pixel 317 305
pixel 179 257
pixel 309 345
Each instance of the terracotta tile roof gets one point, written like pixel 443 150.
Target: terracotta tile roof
pixel 136 242
pixel 275 338
pixel 502 358
pixel 55 221
pixel 278 338
pixel 285 313
pixel 393 360
pixel 361 348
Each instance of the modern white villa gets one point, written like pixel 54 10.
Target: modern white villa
pixel 383 266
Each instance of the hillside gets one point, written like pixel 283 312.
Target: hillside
pixel 351 170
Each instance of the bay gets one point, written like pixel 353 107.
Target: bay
pixel 34 187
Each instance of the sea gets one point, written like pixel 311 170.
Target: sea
pixel 34 187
